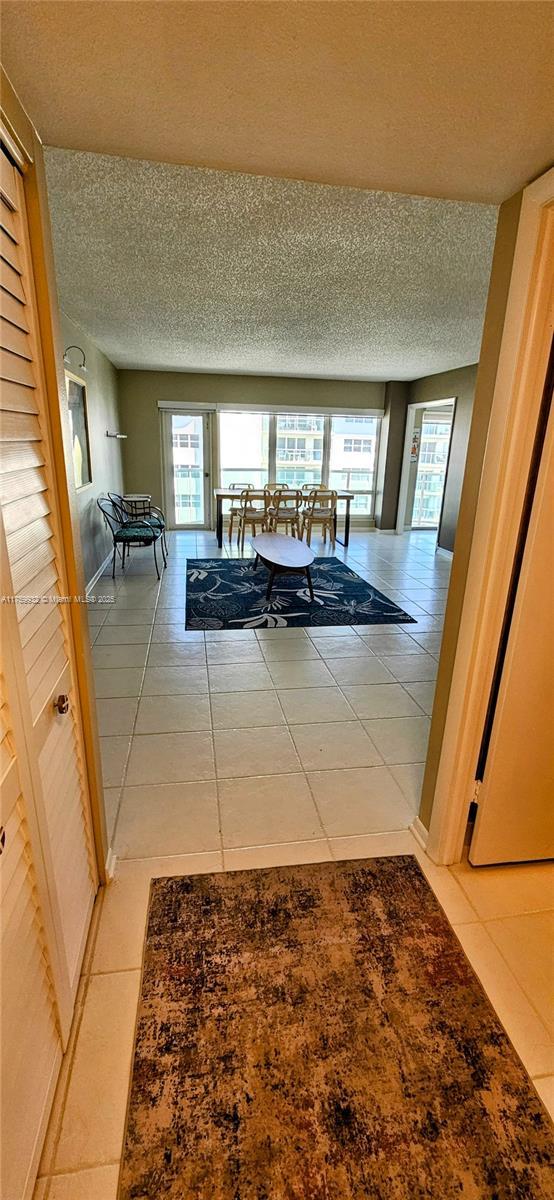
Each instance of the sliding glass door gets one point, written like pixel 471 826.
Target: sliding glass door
pixel 436 429
pixel 187 469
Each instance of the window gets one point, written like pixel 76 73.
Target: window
pixel 433 452
pixel 187 500
pixel 437 428
pixel 186 441
pixel 305 450
pixel 243 449
pixel 360 476
pixel 301 449
pixel 296 449
pixel 187 507
pixel 297 478
pixel 302 424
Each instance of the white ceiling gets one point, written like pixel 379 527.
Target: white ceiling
pixel 432 99
pixel 177 268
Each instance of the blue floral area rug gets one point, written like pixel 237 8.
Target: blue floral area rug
pixel 229 594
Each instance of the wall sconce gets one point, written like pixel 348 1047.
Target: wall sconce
pixel 67 360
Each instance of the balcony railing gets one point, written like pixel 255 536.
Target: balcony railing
pixel 351 480
pixel 300 425
pixel 255 476
pixel 296 456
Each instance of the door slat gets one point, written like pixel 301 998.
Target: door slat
pixel 11 281
pixel 13 311
pixel 16 369
pixel 14 339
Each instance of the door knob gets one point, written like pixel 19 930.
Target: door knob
pixel 62 704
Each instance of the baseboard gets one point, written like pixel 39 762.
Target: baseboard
pixel 98 573
pixel 111 863
pixel 420 833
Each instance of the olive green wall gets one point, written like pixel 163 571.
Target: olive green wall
pixel 107 472
pixel 140 391
pixel 461 384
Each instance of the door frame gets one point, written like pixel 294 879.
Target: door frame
pixel 24 144
pixel 168 488
pixel 406 455
pixel 511 374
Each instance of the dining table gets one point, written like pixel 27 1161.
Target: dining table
pixel 221 494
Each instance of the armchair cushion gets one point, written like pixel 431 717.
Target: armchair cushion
pixel 136 533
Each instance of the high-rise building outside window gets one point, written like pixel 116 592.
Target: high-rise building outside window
pixel 302 450
pixel 431 471
pixel 187 466
pixel 353 460
pixel 300 443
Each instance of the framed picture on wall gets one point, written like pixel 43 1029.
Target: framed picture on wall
pixel 78 423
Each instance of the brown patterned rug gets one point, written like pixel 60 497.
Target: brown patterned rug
pixel 316 1033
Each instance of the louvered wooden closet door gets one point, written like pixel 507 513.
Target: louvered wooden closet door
pixel 34 574
pixel 30 1036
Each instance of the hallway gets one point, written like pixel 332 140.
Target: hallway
pixel 189 791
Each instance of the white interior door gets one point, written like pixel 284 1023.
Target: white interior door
pixel 515 816
pixel 186 461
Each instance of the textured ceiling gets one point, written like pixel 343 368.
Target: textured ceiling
pixel 434 99
pixel 178 268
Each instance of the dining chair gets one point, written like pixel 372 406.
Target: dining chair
pixel 234 510
pixel 129 533
pixel 284 508
pixel 320 509
pixel 252 511
pixel 130 514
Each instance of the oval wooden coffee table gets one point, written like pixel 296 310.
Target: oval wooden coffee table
pixel 283 555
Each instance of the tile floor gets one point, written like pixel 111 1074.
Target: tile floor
pixel 282 746
pixel 314 713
